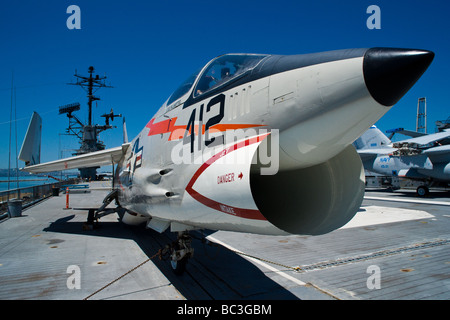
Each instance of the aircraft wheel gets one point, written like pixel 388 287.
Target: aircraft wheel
pixel 422 191
pixel 180 253
pixel 179 266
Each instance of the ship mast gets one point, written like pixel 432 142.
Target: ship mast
pixel 88 133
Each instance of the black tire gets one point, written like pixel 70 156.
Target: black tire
pixel 178 267
pixel 422 191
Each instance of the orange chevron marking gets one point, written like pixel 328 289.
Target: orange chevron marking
pixel 177 132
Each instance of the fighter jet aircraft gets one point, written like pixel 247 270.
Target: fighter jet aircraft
pixel 256 143
pixel 425 158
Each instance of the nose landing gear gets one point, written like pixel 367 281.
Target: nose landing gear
pixel 179 252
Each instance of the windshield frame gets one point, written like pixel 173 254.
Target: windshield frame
pixel 183 89
pixel 227 61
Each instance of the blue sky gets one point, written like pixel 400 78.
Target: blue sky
pixel 146 48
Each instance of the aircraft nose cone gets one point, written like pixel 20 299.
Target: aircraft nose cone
pixel 389 73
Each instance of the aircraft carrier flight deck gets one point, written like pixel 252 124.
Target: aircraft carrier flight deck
pixel 397 247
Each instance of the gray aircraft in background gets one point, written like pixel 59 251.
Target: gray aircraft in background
pixel 423 158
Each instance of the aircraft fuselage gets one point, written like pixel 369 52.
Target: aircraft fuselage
pixel 266 146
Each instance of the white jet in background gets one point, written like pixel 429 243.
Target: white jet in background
pixel 425 158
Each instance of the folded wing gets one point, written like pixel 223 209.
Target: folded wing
pixel 93 159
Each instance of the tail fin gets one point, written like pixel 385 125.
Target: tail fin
pixel 372 138
pixel 30 152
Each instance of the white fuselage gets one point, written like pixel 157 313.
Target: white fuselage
pixel 318 111
pixel 258 143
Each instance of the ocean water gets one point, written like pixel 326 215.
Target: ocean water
pixel 24 182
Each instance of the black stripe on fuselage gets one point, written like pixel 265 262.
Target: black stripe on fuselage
pixel 274 64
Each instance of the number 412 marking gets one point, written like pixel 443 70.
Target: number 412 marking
pixel 189 134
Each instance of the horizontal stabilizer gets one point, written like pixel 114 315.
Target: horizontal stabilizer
pixel 93 159
pixel 370 154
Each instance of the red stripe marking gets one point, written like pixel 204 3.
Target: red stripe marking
pixel 177 132
pixel 239 212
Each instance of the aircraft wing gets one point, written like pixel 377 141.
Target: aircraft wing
pixel 424 140
pixel 368 153
pixel 438 150
pixel 410 133
pixel 93 159
pixel 438 154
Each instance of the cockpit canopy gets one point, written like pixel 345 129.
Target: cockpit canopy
pixel 183 88
pixel 218 72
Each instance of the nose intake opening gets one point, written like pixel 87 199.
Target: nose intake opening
pixel 314 200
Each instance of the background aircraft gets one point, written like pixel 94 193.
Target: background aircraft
pixel 424 158
pixel 256 143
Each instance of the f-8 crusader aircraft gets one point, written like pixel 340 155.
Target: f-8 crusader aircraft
pixel 256 143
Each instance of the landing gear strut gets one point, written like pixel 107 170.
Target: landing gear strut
pixel 179 252
pixel 96 213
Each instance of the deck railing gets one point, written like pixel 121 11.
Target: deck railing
pixel 30 195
